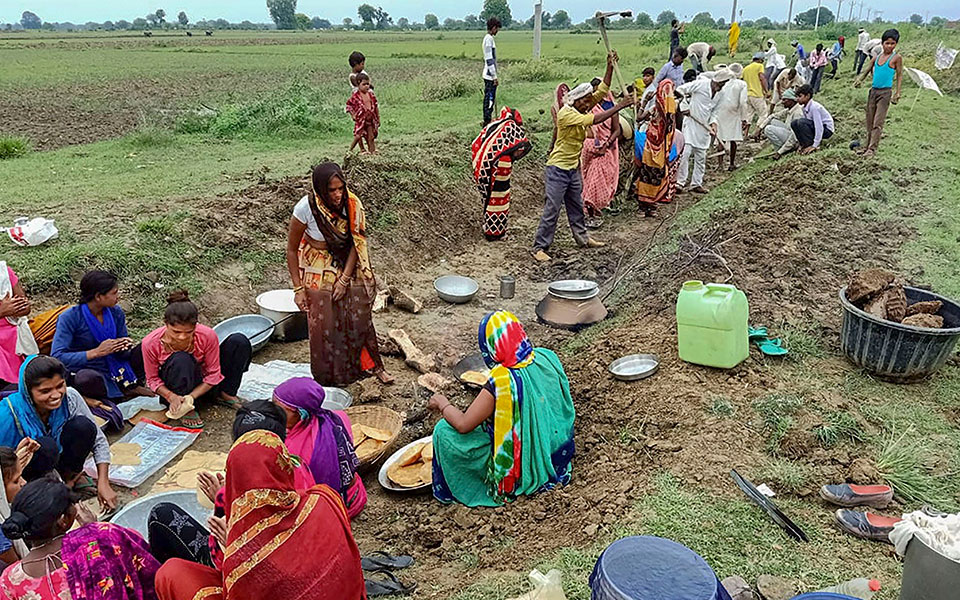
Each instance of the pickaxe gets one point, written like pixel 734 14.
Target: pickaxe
pixel 602 23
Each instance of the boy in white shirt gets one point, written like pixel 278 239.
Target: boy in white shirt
pixel 490 79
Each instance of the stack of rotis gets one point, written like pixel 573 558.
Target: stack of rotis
pixel 415 466
pixel 367 440
pixel 880 293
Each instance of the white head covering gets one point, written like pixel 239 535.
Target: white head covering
pixel 581 91
pixel 772 41
pixel 736 69
pixel 722 75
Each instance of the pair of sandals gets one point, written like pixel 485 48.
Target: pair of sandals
pixel 380 579
pixel 767 345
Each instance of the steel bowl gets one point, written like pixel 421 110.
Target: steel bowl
pixel 456 289
pixel 336 399
pixel 634 367
pixel 382 475
pixel 134 515
pixel 574 289
pixel 257 328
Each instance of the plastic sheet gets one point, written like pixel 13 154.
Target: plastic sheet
pixel 160 444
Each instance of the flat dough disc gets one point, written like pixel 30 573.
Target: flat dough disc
pixel 125 454
pixel 411 456
pixel 378 434
pixel 427 453
pixel 184 409
pixel 368 447
pixel 426 472
pixel 405 476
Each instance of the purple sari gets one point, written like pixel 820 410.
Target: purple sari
pixel 320 437
pixel 108 562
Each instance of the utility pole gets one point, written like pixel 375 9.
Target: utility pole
pixel 733 15
pixel 860 18
pixel 839 4
pixel 816 24
pixel 789 15
pixel 537 26
pixel 850 17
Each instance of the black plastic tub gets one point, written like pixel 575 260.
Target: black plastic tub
pixel 928 575
pixel 896 351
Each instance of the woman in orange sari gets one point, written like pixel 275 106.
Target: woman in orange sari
pixel 280 543
pixel 333 281
pixel 651 182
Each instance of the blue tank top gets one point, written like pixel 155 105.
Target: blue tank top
pixel 883 74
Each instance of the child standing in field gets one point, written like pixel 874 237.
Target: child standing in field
pixel 362 105
pixel 887 69
pixel 357 63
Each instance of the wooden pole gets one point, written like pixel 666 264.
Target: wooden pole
pixel 601 21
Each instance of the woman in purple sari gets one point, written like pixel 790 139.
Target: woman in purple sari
pixel 321 438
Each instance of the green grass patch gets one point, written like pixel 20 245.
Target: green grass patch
pixel 721 406
pixel 776 411
pixel 900 460
pixel 447 85
pixel 837 428
pixel 151 137
pixel 786 475
pixel 537 70
pixel 13 147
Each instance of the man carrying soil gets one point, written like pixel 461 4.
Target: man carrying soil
pixel 563 181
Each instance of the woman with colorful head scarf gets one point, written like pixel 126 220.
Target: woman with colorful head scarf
pixel 322 439
pixel 516 437
pixel 281 543
pixel 654 152
pixel 333 281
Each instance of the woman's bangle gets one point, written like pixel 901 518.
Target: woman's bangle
pixel 448 405
pixel 298 289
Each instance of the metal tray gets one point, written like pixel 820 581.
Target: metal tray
pixel 382 475
pixel 634 367
pixel 574 289
pixel 471 362
pixel 134 515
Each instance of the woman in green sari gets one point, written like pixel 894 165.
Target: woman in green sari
pixel 516 437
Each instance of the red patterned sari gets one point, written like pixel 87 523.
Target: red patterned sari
pixel 496 148
pixel 270 525
pixel 652 178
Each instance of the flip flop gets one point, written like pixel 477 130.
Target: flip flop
pixel 383 561
pixel 387 585
pixel 755 333
pixel 85 483
pixel 193 416
pixel 771 346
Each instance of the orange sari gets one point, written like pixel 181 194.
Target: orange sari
pixel 270 528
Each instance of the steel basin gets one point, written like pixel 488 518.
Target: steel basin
pixel 456 289
pixel 252 326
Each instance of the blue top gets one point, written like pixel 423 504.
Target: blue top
pixel 73 338
pixel 653 567
pixel 883 74
pixel 640 141
pixel 670 71
pixel 801 52
pixel 5 544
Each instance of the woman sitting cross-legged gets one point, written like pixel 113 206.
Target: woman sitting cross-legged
pixel 91 341
pixel 516 438
pixel 44 409
pixel 281 543
pixel 184 361
pixel 98 560
pixel 322 439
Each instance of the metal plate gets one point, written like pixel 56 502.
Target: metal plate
pixel 471 362
pixel 634 367
pixel 382 475
pixel 336 399
pixel 248 325
pixel 575 296
pixel 456 289
pixel 134 515
pixel 574 288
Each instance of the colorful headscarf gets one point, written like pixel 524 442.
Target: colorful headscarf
pixel 108 562
pixel 20 418
pixel 506 349
pixel 320 437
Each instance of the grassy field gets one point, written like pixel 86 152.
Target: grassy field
pixel 208 118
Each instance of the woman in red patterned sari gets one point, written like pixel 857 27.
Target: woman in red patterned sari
pixel 269 527
pixel 494 151
pixel 652 177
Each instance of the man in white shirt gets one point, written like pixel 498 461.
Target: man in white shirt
pixel 697 127
pixel 700 54
pixel 773 62
pixel 776 126
pixel 490 79
pixel 729 114
pixel 862 38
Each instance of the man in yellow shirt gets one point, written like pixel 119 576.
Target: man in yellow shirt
pixel 756 91
pixel 563 181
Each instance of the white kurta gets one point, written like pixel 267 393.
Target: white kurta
pixel 730 110
pixel 695 126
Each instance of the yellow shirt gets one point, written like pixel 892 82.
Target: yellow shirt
pixel 572 128
pixel 751 75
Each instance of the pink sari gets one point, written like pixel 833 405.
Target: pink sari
pixel 10 361
pixel 601 167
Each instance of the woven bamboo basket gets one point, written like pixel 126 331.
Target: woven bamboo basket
pixel 381 418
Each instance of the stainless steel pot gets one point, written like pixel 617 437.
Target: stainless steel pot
pixel 277 305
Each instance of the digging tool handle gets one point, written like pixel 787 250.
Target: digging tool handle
pixel 272 325
pixel 616 64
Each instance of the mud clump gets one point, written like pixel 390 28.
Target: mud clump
pixel 924 320
pixel 865 284
pixel 880 293
pixel 864 472
pixel 929 307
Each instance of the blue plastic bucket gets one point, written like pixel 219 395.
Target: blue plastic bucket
pixel 653 568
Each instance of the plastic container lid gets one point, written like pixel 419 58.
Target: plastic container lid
pixel 652 568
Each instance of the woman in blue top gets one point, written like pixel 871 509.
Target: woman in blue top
pixel 885 68
pixel 91 341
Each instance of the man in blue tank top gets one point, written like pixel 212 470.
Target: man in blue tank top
pixel 885 68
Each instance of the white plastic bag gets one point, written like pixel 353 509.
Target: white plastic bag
pixel 545 587
pixel 34 232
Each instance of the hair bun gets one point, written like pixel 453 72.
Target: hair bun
pixel 178 296
pixel 16 525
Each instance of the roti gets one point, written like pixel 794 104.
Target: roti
pixel 411 455
pixel 427 453
pixel 368 447
pixel 358 435
pixel 426 472
pixel 125 454
pixel 475 377
pixel 378 434
pixel 408 476
pixel 185 407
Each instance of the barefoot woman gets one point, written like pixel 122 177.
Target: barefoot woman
pixel 332 279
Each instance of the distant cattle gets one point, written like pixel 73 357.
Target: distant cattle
pixel 148 33
pixel 189 34
pixel 209 33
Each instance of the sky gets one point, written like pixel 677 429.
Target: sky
pixel 81 11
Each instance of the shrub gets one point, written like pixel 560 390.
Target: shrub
pixel 900 463
pixel 538 70
pixel 448 85
pixel 150 137
pixel 13 147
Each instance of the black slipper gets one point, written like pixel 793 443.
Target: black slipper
pixel 382 561
pixel 387 585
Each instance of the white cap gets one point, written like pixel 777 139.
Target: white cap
pixel 736 69
pixel 722 75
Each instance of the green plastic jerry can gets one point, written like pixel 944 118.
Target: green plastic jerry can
pixel 712 324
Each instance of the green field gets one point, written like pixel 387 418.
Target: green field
pixel 146 152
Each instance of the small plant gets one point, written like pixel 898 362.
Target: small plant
pixel 13 147
pixel 721 406
pixel 788 475
pixel 899 462
pixel 803 341
pixel 446 86
pixel 776 410
pixel 538 70
pixel 151 137
pixel 839 427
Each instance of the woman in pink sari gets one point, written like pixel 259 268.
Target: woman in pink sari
pixel 323 439
pixel 600 163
